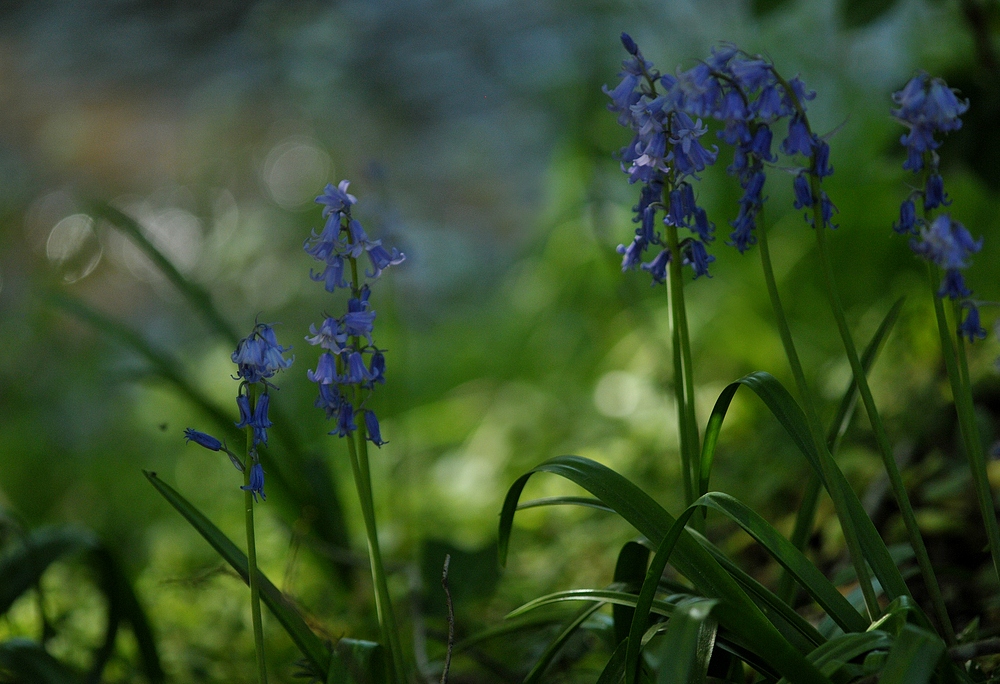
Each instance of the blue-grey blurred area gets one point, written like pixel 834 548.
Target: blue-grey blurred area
pixel 476 136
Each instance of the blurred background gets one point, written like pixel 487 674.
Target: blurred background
pixel 476 137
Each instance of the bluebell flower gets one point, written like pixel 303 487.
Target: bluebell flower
pixel 336 199
pixel 970 327
pixel 821 157
pixel 947 243
pixel 331 335
pixel 689 154
pixel 953 285
pixel 258 356
pixel 345 420
pixel 907 219
pixel 658 266
pixel 381 259
pixel 202 439
pixel 803 191
pixel 372 428
pixel 632 255
pixel 246 415
pixel 698 258
pixel 332 276
pixel 326 370
pixel 260 421
pixel 760 144
pixel 927 106
pixel 934 194
pixel 376 368
pixel 329 399
pixel 799 140
pixel 750 204
pixel 357 373
pixel 256 485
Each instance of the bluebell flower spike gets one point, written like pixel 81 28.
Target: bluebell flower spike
pixel 256 485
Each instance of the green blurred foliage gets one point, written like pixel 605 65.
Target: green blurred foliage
pixel 477 139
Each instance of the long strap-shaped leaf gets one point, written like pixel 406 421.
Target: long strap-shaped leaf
pixel 791 558
pixel 807 574
pixel 679 650
pixel 640 616
pixel 783 406
pixel 736 611
pixel 310 645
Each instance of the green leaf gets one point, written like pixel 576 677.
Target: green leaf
pixel 630 570
pixel 736 611
pixel 835 653
pixel 679 649
pixel 640 617
pixel 302 479
pixel 536 672
pixel 613 671
pixel 29 662
pixel 310 645
pixel 790 558
pixel 790 416
pixel 913 657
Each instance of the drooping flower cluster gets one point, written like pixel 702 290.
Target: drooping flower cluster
pixel 350 365
pixel 744 93
pixel 665 151
pixel 258 356
pixel 928 107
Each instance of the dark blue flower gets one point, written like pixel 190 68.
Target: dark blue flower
pixel 331 335
pixel 202 439
pixel 927 106
pixel 258 356
pixel 376 368
pixel 260 421
pixel 345 420
pixel 632 255
pixel 798 140
pixel 970 327
pixel 907 219
pixel 698 258
pixel 326 370
pixel 946 243
pixel 953 285
pixel 372 428
pixel 934 194
pixel 658 266
pixel 332 276
pixel 329 400
pixel 382 259
pixel 803 191
pixel 760 145
pixel 821 157
pixel 243 402
pixel 356 373
pixel 336 199
pixel 256 485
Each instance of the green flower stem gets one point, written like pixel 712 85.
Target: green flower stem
pixel 957 366
pixel 881 438
pixel 383 603
pixel 258 631
pixel 684 381
pixel 816 429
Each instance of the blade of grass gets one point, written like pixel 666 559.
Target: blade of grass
pixel 679 650
pixel 550 652
pixel 737 611
pixel 307 642
pixel 630 571
pixel 301 480
pixel 913 658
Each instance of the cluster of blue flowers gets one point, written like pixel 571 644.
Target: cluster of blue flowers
pixel 927 107
pixel 345 378
pixel 749 98
pixel 258 357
